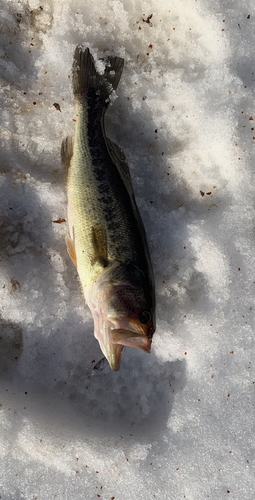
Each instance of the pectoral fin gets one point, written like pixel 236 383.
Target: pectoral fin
pixel 71 249
pixel 99 241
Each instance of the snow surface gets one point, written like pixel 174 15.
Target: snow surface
pixel 178 423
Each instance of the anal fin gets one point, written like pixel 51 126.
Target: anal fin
pixel 66 152
pixel 71 249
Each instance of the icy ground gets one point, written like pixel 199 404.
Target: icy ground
pixel 178 423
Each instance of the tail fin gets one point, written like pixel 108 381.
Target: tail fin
pixel 85 75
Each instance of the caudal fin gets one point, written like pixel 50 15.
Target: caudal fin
pixel 85 75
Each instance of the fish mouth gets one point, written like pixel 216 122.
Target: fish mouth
pixel 118 338
pixel 130 338
pixel 112 340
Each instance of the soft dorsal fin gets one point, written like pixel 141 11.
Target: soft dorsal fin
pixel 119 160
pixel 99 242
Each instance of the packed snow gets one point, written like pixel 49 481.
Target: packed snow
pixel 179 422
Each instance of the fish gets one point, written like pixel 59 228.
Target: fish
pixel 106 240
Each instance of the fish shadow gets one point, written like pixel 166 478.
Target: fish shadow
pixel 133 404
pixel 11 344
pixel 137 400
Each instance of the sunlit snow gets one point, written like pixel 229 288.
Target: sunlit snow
pixel 179 422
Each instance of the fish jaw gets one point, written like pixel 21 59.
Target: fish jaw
pixel 115 333
pixel 112 351
pixel 112 339
pixel 128 332
pixel 115 357
pixel 131 338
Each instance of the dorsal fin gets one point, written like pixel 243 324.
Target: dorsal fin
pixel 119 160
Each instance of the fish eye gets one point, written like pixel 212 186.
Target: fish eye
pixel 144 317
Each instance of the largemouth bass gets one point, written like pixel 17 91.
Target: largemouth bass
pixel 106 240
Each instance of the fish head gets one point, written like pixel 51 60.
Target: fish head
pixel 125 313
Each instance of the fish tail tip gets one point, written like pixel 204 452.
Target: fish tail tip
pixel 86 76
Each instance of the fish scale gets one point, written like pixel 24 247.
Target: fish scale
pixel 96 196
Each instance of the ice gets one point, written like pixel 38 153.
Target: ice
pixel 179 422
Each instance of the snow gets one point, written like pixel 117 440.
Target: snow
pixel 178 423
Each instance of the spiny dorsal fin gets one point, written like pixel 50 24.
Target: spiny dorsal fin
pixel 99 241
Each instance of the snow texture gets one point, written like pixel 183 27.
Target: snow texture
pixel 178 423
